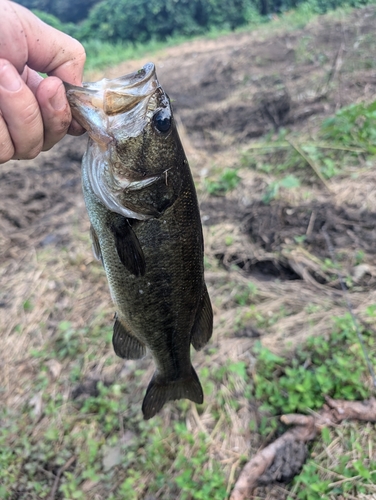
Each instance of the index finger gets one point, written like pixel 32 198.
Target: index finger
pixel 42 47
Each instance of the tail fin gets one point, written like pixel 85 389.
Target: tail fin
pixel 161 390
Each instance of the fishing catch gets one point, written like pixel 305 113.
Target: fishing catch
pixel 145 228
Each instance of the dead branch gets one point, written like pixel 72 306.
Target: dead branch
pixel 356 410
pixel 305 429
pixel 60 472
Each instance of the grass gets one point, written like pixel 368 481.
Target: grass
pixel 318 368
pixel 109 449
pixel 108 445
pixel 334 152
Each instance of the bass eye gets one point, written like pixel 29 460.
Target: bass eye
pixel 162 121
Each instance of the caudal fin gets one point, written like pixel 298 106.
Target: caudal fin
pixel 161 390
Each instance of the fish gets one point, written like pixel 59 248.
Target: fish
pixel 145 229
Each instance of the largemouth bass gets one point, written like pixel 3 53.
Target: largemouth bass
pixel 145 228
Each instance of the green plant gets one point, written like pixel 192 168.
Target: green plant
pixel 227 181
pixel 288 182
pixel 319 368
pixel 353 126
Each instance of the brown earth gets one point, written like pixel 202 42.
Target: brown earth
pixel 226 92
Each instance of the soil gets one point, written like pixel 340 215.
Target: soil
pixel 227 92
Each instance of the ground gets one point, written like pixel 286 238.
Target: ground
pixel 264 248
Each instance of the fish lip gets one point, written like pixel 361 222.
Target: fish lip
pixel 132 80
pixel 135 86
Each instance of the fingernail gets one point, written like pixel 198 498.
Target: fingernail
pixel 9 78
pixel 58 100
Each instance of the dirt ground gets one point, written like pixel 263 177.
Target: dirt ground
pixel 227 93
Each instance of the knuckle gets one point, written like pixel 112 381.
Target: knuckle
pixel 6 144
pixel 78 53
pixel 31 116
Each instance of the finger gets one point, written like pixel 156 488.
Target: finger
pixel 12 36
pixel 63 57
pixel 32 79
pixel 54 119
pixel 55 110
pixel 20 112
pixel 6 144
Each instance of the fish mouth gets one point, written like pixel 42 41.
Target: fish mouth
pixel 111 104
pixel 116 95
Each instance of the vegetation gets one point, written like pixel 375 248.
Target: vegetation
pixel 143 20
pixel 294 159
pixel 64 431
pixel 319 368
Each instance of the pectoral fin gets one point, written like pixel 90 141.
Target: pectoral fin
pixel 95 244
pixel 127 246
pixel 125 344
pixel 203 326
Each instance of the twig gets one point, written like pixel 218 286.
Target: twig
pixel 232 476
pixel 334 70
pixel 286 144
pixel 311 163
pixel 311 223
pixel 60 472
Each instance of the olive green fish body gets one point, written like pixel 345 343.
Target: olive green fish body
pixel 146 229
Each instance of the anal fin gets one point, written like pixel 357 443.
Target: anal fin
pixel 125 344
pixel 127 246
pixel 203 326
pixel 160 391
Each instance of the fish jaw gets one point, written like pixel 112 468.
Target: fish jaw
pixel 109 105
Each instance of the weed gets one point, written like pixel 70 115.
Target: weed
pixel 227 181
pixel 319 368
pixel 288 182
pixel 342 137
pixel 353 126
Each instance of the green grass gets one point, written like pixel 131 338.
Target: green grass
pixel 108 446
pixel 226 181
pixel 335 151
pixel 318 368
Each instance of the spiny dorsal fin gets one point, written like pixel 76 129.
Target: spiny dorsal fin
pixel 203 326
pixel 127 246
pixel 125 344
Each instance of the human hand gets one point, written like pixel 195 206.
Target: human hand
pixel 34 112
